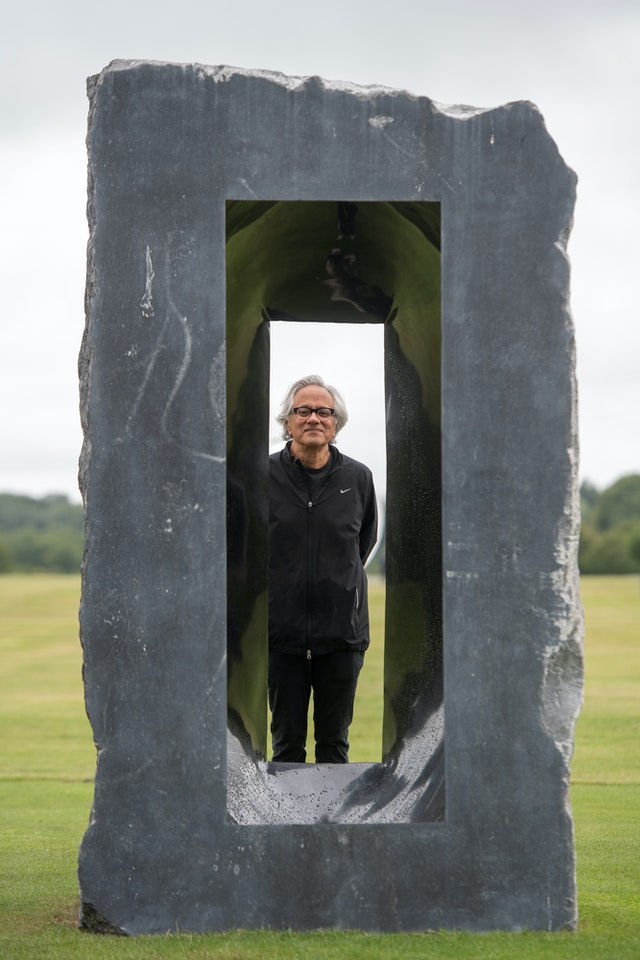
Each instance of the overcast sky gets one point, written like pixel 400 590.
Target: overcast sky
pixel 578 60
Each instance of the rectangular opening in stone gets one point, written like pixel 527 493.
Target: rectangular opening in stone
pixel 370 262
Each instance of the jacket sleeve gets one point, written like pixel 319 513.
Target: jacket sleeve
pixel 369 525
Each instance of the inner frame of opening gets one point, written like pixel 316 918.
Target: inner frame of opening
pixel 351 358
pixel 371 262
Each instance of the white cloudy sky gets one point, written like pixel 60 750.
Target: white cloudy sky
pixel 578 60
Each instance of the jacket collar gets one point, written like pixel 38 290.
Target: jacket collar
pixel 336 458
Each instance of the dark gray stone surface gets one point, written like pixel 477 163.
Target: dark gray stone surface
pixel 212 201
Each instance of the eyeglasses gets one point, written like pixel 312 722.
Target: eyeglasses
pixel 304 412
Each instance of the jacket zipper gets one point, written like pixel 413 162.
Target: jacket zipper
pixel 309 508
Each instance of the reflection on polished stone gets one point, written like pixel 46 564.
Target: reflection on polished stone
pixel 407 789
pixel 274 258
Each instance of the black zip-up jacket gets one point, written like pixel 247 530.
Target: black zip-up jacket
pixel 318 545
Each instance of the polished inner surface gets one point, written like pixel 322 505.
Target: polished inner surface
pixel 365 262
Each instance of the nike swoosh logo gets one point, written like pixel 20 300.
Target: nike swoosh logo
pixel 346 491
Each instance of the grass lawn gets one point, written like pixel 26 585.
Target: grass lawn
pixel 47 763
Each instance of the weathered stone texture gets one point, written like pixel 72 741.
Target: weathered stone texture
pixel 463 217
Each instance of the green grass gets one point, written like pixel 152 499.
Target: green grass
pixel 47 761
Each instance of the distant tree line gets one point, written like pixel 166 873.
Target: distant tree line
pixel 43 535
pixel 610 536
pixel 46 535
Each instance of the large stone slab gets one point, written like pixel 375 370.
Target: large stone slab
pixel 221 200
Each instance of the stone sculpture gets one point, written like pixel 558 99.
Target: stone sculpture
pixel 220 200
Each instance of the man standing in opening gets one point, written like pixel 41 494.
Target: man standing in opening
pixel 322 528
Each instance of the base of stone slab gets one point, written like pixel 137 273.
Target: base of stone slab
pixel 91 921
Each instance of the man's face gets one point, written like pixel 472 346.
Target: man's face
pixel 314 431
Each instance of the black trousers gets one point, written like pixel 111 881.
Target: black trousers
pixel 333 677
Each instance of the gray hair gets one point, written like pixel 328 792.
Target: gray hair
pixel 311 381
